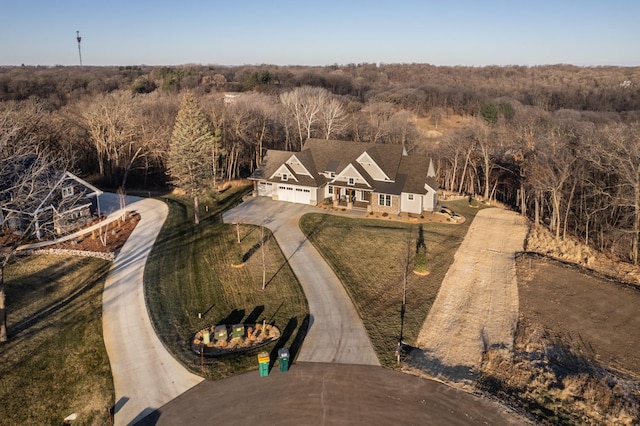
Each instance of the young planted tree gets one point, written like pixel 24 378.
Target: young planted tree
pixel 190 151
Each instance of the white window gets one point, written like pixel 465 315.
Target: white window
pixel 67 191
pixel 410 197
pixel 351 181
pixel 332 174
pixel 384 200
pixel 285 177
pixel 330 189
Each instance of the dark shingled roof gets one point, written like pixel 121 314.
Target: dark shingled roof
pixel 272 160
pixel 415 168
pixel 409 173
pixel 328 153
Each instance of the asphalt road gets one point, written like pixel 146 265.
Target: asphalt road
pixel 336 333
pixel 145 375
pixel 329 394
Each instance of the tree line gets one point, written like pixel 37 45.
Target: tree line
pixel 559 143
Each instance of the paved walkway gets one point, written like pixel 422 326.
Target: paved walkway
pixel 336 333
pixel 477 305
pixel 145 375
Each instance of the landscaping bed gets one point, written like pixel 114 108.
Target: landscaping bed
pixel 206 342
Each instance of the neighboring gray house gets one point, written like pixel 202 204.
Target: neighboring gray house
pixel 61 204
pixel 355 175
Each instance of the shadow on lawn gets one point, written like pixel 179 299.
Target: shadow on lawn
pixel 56 305
pixel 255 247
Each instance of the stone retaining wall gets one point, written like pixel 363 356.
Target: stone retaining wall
pixel 66 252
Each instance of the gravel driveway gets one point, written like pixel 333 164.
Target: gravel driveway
pixel 477 305
pixel 336 333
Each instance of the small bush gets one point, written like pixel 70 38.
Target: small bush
pixel 420 264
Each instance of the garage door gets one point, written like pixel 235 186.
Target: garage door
pixel 286 193
pixel 265 189
pixel 303 195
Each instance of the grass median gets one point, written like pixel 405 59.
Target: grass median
pixel 369 256
pixel 190 272
pixel 55 362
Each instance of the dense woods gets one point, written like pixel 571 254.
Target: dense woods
pixel 559 143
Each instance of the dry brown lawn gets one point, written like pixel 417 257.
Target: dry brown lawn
pixel 190 271
pixel 55 362
pixel 369 257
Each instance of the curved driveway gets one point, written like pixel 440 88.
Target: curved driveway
pixel 336 333
pixel 145 375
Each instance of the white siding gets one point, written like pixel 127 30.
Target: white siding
pixel 411 206
pixel 430 200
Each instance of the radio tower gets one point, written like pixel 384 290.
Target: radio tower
pixel 79 40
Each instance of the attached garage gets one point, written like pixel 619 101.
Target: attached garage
pixel 295 194
pixel 265 189
pixel 286 193
pixel 302 196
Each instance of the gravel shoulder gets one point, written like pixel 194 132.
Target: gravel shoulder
pixel 477 305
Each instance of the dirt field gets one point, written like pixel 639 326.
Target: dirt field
pixel 601 313
pixel 576 357
pixel 477 305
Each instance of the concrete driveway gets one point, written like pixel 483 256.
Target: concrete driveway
pixel 336 333
pixel 145 375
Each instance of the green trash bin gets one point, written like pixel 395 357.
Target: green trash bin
pixel 283 356
pixel 263 362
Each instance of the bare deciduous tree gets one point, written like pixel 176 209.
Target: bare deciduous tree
pixel 304 105
pixel 26 178
pixel 333 119
pixel 620 153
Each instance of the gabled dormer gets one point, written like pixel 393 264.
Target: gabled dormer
pixel 284 173
pixel 296 165
pixel 371 167
pixel 351 177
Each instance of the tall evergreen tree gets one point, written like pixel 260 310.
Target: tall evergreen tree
pixel 189 157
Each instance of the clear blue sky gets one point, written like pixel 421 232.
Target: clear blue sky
pixel 323 32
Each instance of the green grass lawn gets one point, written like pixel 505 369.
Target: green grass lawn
pixel 369 257
pixel 55 362
pixel 189 272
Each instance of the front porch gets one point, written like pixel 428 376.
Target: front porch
pixel 351 199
